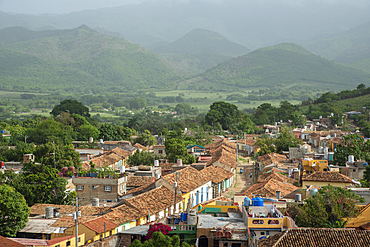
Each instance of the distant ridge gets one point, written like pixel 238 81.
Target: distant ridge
pixel 201 41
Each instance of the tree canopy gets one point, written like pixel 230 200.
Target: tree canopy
pixel 160 240
pixel 175 149
pixel 14 211
pixel 71 106
pixel 222 112
pixel 352 145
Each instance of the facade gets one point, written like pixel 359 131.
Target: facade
pixel 320 179
pixel 106 189
pixel 160 150
pixel 311 165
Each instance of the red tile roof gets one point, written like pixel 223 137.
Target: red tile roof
pixel 155 200
pixel 139 146
pixel 189 179
pixel 137 181
pixel 327 177
pixel 6 242
pixel 40 209
pixel 124 214
pixel 268 159
pixel 323 237
pixel 275 175
pixel 97 225
pixel 269 188
pixel 217 174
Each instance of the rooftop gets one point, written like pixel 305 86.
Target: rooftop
pixel 189 179
pixel 98 225
pixel 218 174
pixel 326 176
pixel 323 237
pixel 137 181
pixel 269 188
pixel 9 242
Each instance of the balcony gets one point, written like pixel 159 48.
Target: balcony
pixel 189 229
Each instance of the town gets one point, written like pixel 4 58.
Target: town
pixel 294 181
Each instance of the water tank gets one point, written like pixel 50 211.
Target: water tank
pixel 260 202
pixel 228 233
pixel 351 159
pixel 320 117
pixel 278 194
pixel 220 232
pixel 65 171
pixel 183 216
pixel 49 214
pixel 156 163
pixel 179 162
pixel 2 131
pixel 91 140
pixel 313 191
pixel 298 197
pixel 254 201
pixel 95 202
pixel 247 201
pixel 321 150
pixel 192 217
pixel 101 141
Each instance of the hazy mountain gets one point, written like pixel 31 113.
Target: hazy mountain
pixel 284 65
pixel 81 60
pixel 200 41
pixel 346 47
pixel 251 23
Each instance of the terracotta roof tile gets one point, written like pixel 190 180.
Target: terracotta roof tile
pixel 189 179
pixel 97 225
pixel 137 181
pixel 275 175
pixel 327 177
pixel 269 188
pixel 6 242
pixel 268 159
pixel 124 214
pixel 139 146
pixel 40 209
pixel 154 200
pixel 68 221
pixel 217 174
pixel 323 237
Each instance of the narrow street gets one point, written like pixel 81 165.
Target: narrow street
pixel 243 179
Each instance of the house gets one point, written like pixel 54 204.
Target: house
pixel 40 209
pixel 271 158
pixel 195 149
pixel 105 189
pixel 324 178
pixel 223 155
pixel 269 189
pixel 159 150
pixel 250 147
pixel 310 165
pixel 56 242
pixel 361 221
pixel 354 170
pixel 308 237
pixel 115 159
pixel 10 242
pixel 109 145
pixel 277 175
pixel 195 186
pixel 137 181
pixel 140 147
pixel 221 179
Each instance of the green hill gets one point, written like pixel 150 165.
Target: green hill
pixel 281 66
pixel 347 47
pixel 199 50
pixel 81 60
pixel 200 41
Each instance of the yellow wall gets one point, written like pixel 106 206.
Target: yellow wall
pixel 101 235
pixel 89 234
pixel 321 184
pixel 72 242
pixel 132 224
pixel 320 165
pixel 186 196
pixel 265 223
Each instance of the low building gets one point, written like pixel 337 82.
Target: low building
pixel 160 150
pixel 109 145
pixel 322 178
pixel 221 179
pixel 106 189
pixel 56 242
pixel 310 165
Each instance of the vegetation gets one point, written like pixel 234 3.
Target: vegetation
pixel 330 205
pixel 160 240
pixel 14 211
pixel 352 145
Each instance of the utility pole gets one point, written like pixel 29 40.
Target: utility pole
pixel 76 221
pixel 176 174
pixel 237 139
pixel 104 231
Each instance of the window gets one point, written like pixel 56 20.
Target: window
pixel 80 187
pixel 57 245
pixel 110 233
pixel 160 151
pixel 267 232
pixel 68 243
pixel 107 188
pixel 121 187
pixel 79 239
pixel 262 233
pixel 95 186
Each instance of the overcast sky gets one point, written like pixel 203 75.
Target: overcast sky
pixel 67 6
pixel 57 6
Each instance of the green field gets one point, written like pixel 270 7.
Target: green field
pixel 205 99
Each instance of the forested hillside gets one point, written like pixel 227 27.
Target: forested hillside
pixel 81 60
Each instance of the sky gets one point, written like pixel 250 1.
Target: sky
pixel 67 6
pixel 57 6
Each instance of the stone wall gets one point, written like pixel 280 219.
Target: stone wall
pixel 112 241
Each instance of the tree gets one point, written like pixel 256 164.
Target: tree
pixel 71 106
pixel 160 240
pixel 157 227
pixel 13 211
pixel 145 137
pixel 223 113
pixel 138 103
pixel 183 108
pixel 142 158
pixel 297 118
pixel 352 145
pixel 329 206
pixel 286 139
pixel 39 184
pixel 175 149
pixel 86 131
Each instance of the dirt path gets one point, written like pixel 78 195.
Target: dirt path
pixel 243 179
